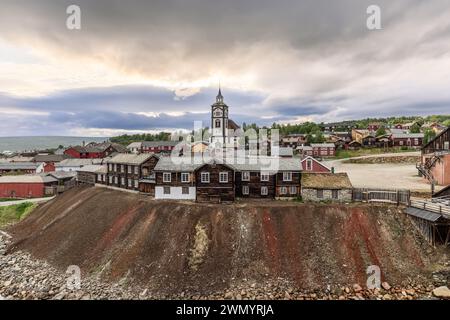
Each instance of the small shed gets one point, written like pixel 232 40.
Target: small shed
pixel 326 186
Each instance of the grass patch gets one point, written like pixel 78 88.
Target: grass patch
pixel 343 154
pixel 15 213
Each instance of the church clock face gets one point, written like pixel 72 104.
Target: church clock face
pixel 218 113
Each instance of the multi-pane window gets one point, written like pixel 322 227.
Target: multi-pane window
pixel 136 170
pixel 136 184
pixel 293 190
pixel 205 177
pixel 166 190
pixel 264 176
pixel 110 179
pixel 185 190
pixel 122 168
pixel 319 193
pixel 264 191
pixel 129 169
pixel 184 177
pixel 116 180
pixel 283 190
pixel 122 181
pixel 223 177
pixel 245 190
pixel 130 183
pixel 287 176
pixel 309 165
pixel 334 194
pixel 245 176
pixel 167 177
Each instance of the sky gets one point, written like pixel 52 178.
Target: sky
pixel 145 66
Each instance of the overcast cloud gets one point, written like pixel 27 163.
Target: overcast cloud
pixel 155 65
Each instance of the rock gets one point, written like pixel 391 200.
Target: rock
pixel 357 287
pixel 7 283
pixel 228 295
pixel 410 292
pixel 238 296
pixel 442 292
pixel 386 286
pixel 387 297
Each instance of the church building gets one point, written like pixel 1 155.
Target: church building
pixel 222 128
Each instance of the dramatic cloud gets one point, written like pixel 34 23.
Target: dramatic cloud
pixel 150 65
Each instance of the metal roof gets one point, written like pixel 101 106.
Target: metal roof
pixel 407 135
pixel 423 214
pixel 77 162
pixel 93 168
pixel 322 145
pixel 19 165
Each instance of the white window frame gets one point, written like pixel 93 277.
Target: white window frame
pixel 122 168
pixel 183 177
pixel 283 190
pixel 287 176
pixel 264 190
pixel 165 175
pixel 293 190
pixel 122 181
pixel 245 176
pixel 223 174
pixel 166 188
pixel 309 165
pixel 264 177
pixel 136 184
pixel 130 183
pixel 128 169
pixel 245 190
pixel 116 180
pixel 110 179
pixel 204 177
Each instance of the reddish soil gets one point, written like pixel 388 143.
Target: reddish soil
pixel 129 237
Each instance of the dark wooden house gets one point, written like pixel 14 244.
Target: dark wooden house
pixel 215 182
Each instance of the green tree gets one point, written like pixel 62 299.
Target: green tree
pixel 381 131
pixel 415 128
pixel 429 135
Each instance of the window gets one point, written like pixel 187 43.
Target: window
pixel 293 190
pixel 130 183
pixel 223 177
pixel 245 190
pixel 319 193
pixel 446 145
pixel 129 169
pixel 185 190
pixel 309 165
pixel 110 179
pixel 245 176
pixel 287 176
pixel 122 181
pixel 400 142
pixel 166 190
pixel 116 180
pixel 99 177
pixel 205 177
pixel 122 168
pixel 283 190
pixel 136 170
pixel 136 184
pixel 167 177
pixel 264 176
pixel 217 123
pixel 110 167
pixel 334 194
pixel 264 191
pixel 184 177
pixel 416 141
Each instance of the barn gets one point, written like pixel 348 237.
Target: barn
pixel 309 164
pixel 25 186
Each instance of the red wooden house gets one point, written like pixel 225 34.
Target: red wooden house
pixel 309 164
pixel 94 151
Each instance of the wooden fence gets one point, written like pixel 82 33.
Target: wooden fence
pixel 382 195
pixel 54 190
pixel 433 205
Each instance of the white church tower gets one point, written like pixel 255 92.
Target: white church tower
pixel 219 120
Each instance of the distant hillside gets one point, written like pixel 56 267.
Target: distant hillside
pixel 42 143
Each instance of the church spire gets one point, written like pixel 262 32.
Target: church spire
pixel 219 98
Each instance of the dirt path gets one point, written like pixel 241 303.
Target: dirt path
pixel 387 175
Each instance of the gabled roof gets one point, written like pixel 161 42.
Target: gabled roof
pixel 93 168
pixel 160 143
pixel 232 125
pixel 134 159
pixel 316 161
pixel 323 145
pixel 50 157
pixel 326 181
pixel 27 179
pixel 77 162
pixel 19 165
pixel 407 135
